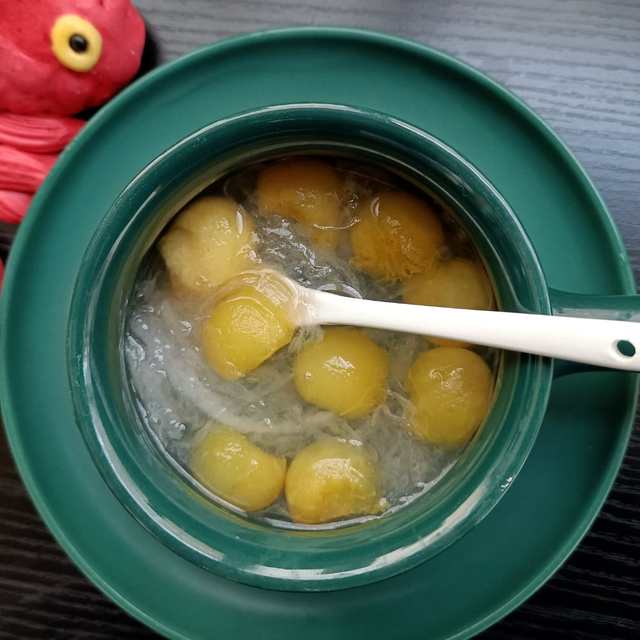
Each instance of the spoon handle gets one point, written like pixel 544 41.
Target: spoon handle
pixel 587 340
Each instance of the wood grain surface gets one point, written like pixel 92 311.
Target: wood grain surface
pixel 575 62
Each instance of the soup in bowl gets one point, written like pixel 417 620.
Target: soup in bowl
pixel 315 458
pixel 315 425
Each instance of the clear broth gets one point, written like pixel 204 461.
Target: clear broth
pixel 176 393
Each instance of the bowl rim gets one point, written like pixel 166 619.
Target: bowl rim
pixel 225 553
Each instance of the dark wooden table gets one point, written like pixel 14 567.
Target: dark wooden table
pixel 578 64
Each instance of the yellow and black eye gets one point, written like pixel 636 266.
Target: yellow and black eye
pixel 76 43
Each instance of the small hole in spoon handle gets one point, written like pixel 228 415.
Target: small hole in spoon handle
pixel 625 348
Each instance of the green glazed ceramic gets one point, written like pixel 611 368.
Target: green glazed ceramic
pixel 154 490
pixel 499 561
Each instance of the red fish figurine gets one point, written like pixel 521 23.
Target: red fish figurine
pixel 59 57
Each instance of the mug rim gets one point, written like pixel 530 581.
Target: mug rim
pixel 108 461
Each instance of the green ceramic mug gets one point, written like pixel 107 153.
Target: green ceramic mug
pixel 158 492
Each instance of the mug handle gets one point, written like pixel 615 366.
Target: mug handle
pixel 587 305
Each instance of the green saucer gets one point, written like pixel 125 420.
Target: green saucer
pixel 574 462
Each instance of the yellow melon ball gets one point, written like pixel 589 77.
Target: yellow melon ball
pixel 212 239
pixel 229 464
pixel 397 236
pixel 451 389
pixel 458 283
pixel 249 323
pixel 332 479
pixel 345 372
pixel 306 190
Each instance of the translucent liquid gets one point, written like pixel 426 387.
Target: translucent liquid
pixel 177 393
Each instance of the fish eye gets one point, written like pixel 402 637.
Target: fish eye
pixel 76 43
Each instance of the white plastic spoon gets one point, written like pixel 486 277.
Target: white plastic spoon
pixel 587 340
